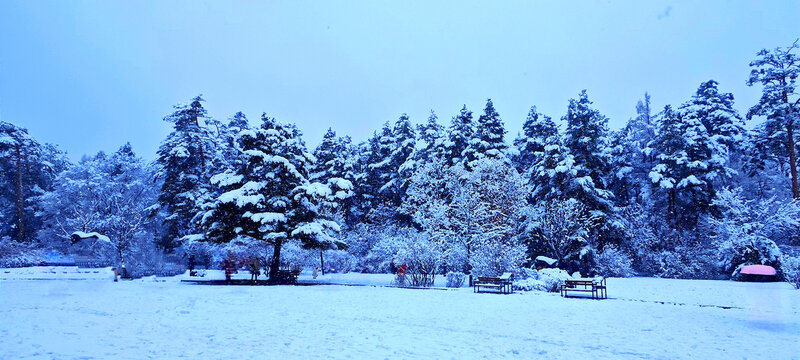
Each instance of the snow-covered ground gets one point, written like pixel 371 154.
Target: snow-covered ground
pixel 162 318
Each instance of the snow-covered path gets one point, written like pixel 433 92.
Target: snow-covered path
pixel 64 319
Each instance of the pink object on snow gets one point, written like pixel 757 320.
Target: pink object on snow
pixel 758 270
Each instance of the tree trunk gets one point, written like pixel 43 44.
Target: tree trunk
pixel 790 148
pixel 276 261
pixel 321 262
pixel 20 199
pixel 673 216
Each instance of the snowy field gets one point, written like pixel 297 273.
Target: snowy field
pixel 164 319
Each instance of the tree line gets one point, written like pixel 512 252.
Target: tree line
pixel 682 191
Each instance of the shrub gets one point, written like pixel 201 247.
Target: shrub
pixel 16 254
pixel 791 270
pixel 455 279
pixel 338 261
pixel 422 258
pixel 613 262
pixel 549 280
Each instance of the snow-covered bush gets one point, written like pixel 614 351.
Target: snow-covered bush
pixel 422 258
pixel 791 270
pixel 149 261
pixel 296 258
pixel 492 258
pixel 16 254
pixel 645 234
pixel 745 230
pixel 549 280
pixel 613 262
pixel 560 230
pixel 384 255
pixel 338 261
pixel 455 279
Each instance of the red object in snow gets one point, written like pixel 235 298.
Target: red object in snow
pixel 402 269
pixel 758 270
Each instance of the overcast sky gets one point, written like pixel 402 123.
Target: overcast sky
pixel 90 76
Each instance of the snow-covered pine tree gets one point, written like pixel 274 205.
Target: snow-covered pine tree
pixel 367 180
pixel 381 168
pixel 334 163
pixel 402 160
pixel 28 170
pixel 230 152
pixel 185 160
pixel 715 110
pixel 551 172
pixel 537 131
pixel 458 136
pixel 621 182
pixel 632 158
pixel 765 166
pixel 432 134
pixel 711 129
pixel 701 168
pixel 270 198
pixel 328 162
pixel 670 156
pixel 489 137
pixel 777 71
pixel 586 138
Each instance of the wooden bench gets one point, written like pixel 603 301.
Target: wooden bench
pixel 286 277
pixel 501 283
pixel 596 287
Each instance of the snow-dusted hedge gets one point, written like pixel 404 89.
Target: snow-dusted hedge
pixel 791 270
pixel 422 258
pixel 613 262
pixel 15 254
pixel 549 280
pixel 338 261
pixel 455 279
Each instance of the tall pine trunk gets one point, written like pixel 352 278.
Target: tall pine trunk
pixel 321 262
pixel 276 261
pixel 20 199
pixel 790 148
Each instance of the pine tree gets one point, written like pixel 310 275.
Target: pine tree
pixel 28 170
pixel 231 155
pixel 489 137
pixel 551 172
pixel 586 139
pixel 185 163
pixel 270 199
pixel 537 132
pixel 458 137
pixel 402 160
pixel 669 146
pixel 715 110
pixel 328 162
pixel 381 168
pixel 333 163
pixel 632 157
pixel 702 167
pixel 431 133
pixel 777 71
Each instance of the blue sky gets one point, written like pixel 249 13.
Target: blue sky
pixel 92 75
